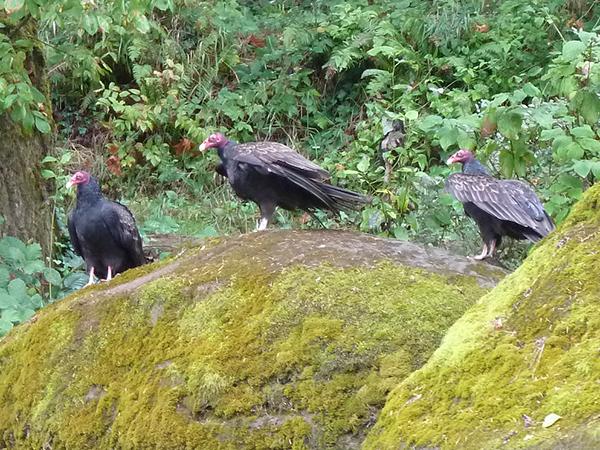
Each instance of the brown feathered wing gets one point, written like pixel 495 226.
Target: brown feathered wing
pixel 509 200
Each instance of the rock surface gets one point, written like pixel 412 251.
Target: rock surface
pixel 526 352
pixel 267 340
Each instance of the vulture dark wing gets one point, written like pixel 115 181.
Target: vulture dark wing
pixel 275 154
pixel 531 204
pixel 73 234
pixel 123 229
pixel 495 197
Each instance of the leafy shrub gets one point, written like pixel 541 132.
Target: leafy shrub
pixel 26 284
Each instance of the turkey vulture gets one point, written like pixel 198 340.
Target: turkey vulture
pixel 103 232
pixel 271 174
pixel 500 207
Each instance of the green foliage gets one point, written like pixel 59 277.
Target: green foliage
pixel 26 283
pixel 143 82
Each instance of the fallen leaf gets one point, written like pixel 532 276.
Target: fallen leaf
pixel 114 165
pixel 183 146
pixel 550 420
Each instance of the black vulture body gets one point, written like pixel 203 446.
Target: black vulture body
pixel 104 232
pixel 499 207
pixel 273 175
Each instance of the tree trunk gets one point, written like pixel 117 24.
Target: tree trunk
pixel 23 197
pixel 24 200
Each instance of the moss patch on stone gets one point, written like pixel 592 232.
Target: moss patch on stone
pixel 242 344
pixel 529 348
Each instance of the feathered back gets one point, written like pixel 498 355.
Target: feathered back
pixel 510 200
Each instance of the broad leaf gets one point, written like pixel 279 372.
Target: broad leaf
pixel 591 145
pixel 90 24
pixel 141 23
pixel 582 168
pixel 5 326
pixel 52 276
pixel 11 6
pixel 583 132
pixel 572 50
pixel 7 300
pixel 509 124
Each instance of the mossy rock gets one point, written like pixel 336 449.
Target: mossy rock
pixel 265 341
pixel 528 349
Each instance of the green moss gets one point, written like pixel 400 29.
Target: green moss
pixel 528 348
pixel 222 351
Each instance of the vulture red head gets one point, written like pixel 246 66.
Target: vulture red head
pixel 80 177
pixel 461 156
pixel 214 140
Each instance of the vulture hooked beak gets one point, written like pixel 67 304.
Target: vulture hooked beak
pixel 202 148
pixel 450 160
pixel 70 184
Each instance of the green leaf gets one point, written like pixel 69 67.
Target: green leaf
pixel 583 132
pixel 47 174
pixel 12 315
pixel 596 169
pixel 49 159
pixel 582 168
pixel 17 289
pixel 25 314
pixel 14 255
pixel 543 118
pixel 4 277
pixel 90 24
pixel 591 145
pixel 531 90
pixel 52 276
pixel 11 6
pixel 587 105
pixel 465 140
pixel 363 164
pixel 560 146
pixel 163 5
pixel 411 115
pixel 32 267
pixel 33 251
pixel 507 163
pixel 509 124
pixel 141 23
pixel 574 151
pixel 42 125
pixel 430 123
pixel 76 280
pixel 549 135
pixel 5 326
pixel 447 136
pixel 7 300
pixel 572 50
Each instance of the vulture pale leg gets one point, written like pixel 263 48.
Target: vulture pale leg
pixel 492 248
pixel 91 280
pixel 262 224
pixel 109 274
pixel 484 253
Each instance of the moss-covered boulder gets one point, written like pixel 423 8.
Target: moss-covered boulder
pixel 268 340
pixel 528 350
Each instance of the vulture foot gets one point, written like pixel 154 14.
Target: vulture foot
pixel 91 279
pixel 262 224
